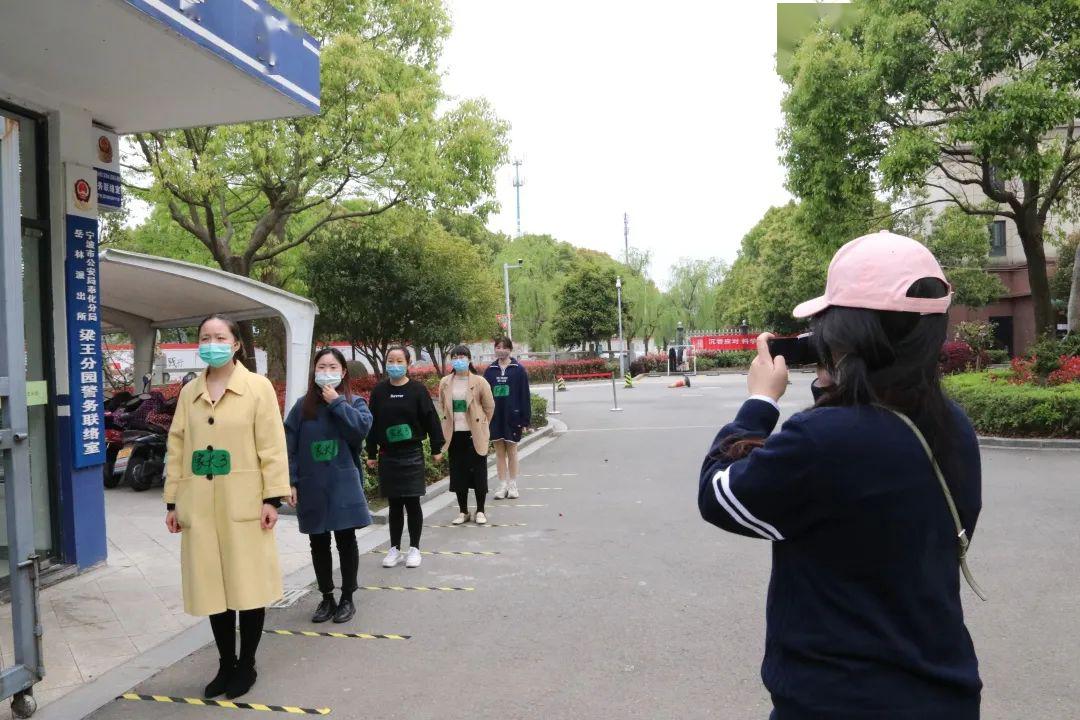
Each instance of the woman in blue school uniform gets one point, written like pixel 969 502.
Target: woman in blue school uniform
pixel 869 499
pixel 509 383
pixel 325 431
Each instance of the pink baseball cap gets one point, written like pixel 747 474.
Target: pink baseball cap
pixel 875 272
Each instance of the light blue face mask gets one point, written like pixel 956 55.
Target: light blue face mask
pixel 460 364
pixel 327 379
pixel 396 372
pixel 216 355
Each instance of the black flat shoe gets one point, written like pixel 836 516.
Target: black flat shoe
pixel 325 611
pixel 345 611
pixel 220 683
pixel 242 679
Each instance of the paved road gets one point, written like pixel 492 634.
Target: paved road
pixel 615 600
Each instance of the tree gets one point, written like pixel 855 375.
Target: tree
pixel 969 104
pixel 587 311
pixel 692 287
pixel 252 192
pixel 398 277
pixel 534 288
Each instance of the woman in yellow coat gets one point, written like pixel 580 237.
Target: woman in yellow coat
pixel 227 473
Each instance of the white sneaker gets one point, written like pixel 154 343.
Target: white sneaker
pixel 500 494
pixel 393 558
pixel 512 491
pixel 413 559
pixel 481 518
pixel 461 519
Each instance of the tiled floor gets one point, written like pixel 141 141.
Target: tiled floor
pixel 102 618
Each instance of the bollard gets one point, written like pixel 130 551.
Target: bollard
pixel 614 394
pixel 560 384
pixel 553 410
pixel 629 379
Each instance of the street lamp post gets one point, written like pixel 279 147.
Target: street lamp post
pixel 622 340
pixel 507 267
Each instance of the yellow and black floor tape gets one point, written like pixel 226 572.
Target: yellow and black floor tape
pixel 467 553
pixel 227 704
pixel 358 636
pixel 403 588
pixel 472 525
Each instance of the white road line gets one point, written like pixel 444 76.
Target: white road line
pixel 652 427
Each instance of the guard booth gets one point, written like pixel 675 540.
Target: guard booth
pixel 75 76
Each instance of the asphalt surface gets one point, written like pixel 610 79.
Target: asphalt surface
pixel 615 600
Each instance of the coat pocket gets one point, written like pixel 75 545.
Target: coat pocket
pixel 243 495
pixel 184 500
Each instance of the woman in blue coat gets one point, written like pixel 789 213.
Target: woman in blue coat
pixel 509 383
pixel 325 431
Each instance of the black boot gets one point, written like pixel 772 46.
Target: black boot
pixel 242 679
pixel 345 610
pixel 221 681
pixel 326 609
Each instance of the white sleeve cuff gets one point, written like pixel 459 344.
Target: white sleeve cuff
pixel 766 398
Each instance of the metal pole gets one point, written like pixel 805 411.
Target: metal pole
pixel 614 394
pixel 622 340
pixel 626 235
pixel 517 188
pixel 506 285
pixel 554 390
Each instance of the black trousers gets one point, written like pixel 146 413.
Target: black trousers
pixel 398 507
pixel 251 626
pixel 324 562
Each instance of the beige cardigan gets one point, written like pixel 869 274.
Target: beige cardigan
pixel 480 407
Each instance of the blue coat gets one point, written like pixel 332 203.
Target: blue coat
pixel 322 465
pixel 513 404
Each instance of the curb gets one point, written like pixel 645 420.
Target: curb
pixel 382 517
pixel 1007 443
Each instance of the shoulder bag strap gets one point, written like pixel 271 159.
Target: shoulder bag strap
pixel 961 534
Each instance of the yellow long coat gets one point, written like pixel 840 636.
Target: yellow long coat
pixel 227 560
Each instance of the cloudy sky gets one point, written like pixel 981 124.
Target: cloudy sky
pixel 666 111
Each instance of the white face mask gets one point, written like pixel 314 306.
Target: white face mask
pixel 502 353
pixel 327 379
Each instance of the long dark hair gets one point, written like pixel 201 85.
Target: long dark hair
pixel 234 327
pixel 314 393
pixel 463 350
pixel 891 359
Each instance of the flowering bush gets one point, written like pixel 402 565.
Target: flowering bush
pixel 1068 372
pixel 957 356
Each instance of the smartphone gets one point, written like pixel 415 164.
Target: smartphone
pixel 795 350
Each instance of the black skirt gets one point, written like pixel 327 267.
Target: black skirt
pixel 402 475
pixel 468 469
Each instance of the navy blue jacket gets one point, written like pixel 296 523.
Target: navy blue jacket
pixel 513 410
pixel 864 619
pixel 322 465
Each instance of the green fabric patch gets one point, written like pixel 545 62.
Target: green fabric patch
pixel 460 406
pixel 502 390
pixel 324 450
pixel 399 433
pixel 211 462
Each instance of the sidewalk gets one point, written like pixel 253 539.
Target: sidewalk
pixel 105 617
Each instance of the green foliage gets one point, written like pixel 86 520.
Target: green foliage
pixel 399 277
pixel 779 266
pixel 249 193
pixel 954 101
pixel 692 289
pixel 978 335
pixel 535 286
pixel 997 407
pixel 997 356
pixel 539 407
pixel 587 311
pixel 1062 279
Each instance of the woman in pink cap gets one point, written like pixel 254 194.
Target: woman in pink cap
pixel 868 498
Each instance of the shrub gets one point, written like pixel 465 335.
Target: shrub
pixel 1045 356
pixel 979 336
pixel 957 356
pixel 1067 372
pixel 1002 408
pixel 998 357
pixel 539 411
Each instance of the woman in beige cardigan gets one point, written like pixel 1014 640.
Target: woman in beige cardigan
pixel 467 407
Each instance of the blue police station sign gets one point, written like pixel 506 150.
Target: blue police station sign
pixel 83 298
pixel 110 194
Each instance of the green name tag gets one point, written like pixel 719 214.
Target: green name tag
pixel 211 462
pixel 398 433
pixel 324 450
pixel 501 390
pixel 459 406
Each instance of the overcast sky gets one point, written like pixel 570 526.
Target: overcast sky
pixel 666 111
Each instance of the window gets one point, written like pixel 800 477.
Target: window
pixel 997 238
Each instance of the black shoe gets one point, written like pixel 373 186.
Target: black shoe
pixel 242 679
pixel 325 611
pixel 345 611
pixel 221 681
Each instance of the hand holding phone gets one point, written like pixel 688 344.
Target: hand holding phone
pixel 795 350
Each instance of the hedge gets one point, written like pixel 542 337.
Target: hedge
pixel 997 407
pixel 706 360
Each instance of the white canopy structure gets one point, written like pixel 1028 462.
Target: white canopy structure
pixel 142 294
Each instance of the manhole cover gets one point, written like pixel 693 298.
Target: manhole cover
pixel 291 597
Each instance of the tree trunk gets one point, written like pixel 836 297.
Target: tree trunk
pixel 247 339
pixel 1030 230
pixel 1074 295
pixel 272 334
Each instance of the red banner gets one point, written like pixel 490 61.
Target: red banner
pixel 722 343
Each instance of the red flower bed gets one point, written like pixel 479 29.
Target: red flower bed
pixel 957 356
pixel 1068 372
